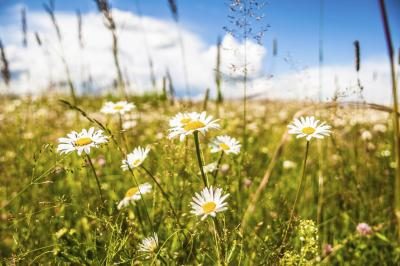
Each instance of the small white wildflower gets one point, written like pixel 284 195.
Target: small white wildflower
pixel 226 144
pixel 134 194
pixel 209 202
pixel 309 127
pixel 184 124
pixel 287 164
pixel 149 244
pixel 82 141
pixel 135 158
pixel 120 107
pixel 211 167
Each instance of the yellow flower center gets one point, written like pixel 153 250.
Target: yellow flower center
pixel 185 120
pixel 83 141
pixel 118 107
pixel 131 192
pixel 152 246
pixel 224 146
pixel 308 130
pixel 209 207
pixel 136 162
pixel 193 125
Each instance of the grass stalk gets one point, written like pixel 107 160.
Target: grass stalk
pixel 105 8
pixel 299 189
pixel 50 9
pixel 4 66
pixel 165 194
pixel 121 132
pixel 89 160
pixel 218 76
pixel 141 197
pixel 217 240
pixel 206 98
pixel 174 11
pixel 215 173
pixel 199 159
pixel 396 132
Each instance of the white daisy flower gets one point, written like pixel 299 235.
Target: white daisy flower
pixel 309 127
pixel 211 167
pixel 135 158
pixel 209 202
pixel 184 124
pixel 121 107
pixel 180 119
pixel 287 164
pixel 226 144
pixel 129 124
pixel 381 128
pixel 366 135
pixel 149 244
pixel 81 141
pixel 134 194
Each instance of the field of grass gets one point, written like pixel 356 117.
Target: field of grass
pixel 51 211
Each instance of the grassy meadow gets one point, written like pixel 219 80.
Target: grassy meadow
pixel 102 170
pixel 51 210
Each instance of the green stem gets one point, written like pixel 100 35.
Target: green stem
pixel 161 259
pixel 121 132
pixel 97 178
pixel 199 160
pixel 218 164
pixel 141 197
pixel 216 240
pixel 299 189
pixel 391 53
pixel 163 193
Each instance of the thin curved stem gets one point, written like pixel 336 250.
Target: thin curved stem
pixel 199 159
pixel 217 240
pixel 141 196
pixel 299 189
pixel 166 196
pixel 218 164
pixel 97 178
pixel 162 192
pixel 396 126
pixel 121 132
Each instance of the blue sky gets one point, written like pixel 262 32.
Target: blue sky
pixel 295 24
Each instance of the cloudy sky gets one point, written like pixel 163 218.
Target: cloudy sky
pixel 292 73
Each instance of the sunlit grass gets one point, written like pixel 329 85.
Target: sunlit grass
pixel 51 211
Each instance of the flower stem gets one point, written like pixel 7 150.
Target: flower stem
pixel 163 193
pixel 217 239
pixel 121 132
pixel 199 160
pixel 141 197
pixel 396 126
pixel 97 178
pixel 299 189
pixel 218 164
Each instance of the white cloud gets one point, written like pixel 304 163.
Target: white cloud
pixel 304 84
pixel 43 63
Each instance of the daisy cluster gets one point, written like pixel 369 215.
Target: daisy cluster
pixel 210 200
